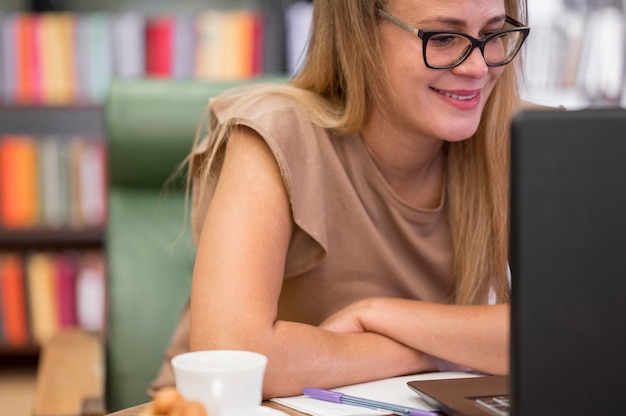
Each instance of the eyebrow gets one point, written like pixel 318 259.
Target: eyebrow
pixel 461 23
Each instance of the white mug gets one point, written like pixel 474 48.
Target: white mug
pixel 227 382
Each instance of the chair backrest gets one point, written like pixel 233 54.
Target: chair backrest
pixel 150 127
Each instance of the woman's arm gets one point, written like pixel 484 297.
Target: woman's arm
pixel 238 277
pixel 471 336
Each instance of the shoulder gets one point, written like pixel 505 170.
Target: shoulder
pixel 259 104
pixel 281 115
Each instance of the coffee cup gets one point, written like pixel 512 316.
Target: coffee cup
pixel 227 382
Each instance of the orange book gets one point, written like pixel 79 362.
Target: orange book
pixel 42 298
pixel 19 201
pixel 238 29
pixel 13 302
pixel 25 58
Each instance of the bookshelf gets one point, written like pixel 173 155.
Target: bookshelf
pixel 47 262
pixel 576 53
pixel 37 111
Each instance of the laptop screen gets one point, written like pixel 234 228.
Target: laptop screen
pixel 568 262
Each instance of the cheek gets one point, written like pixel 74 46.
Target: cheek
pixel 495 74
pixel 402 55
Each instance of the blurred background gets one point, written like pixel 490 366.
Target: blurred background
pixel 56 68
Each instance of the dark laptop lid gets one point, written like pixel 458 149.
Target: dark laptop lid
pixel 568 263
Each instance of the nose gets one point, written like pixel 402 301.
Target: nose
pixel 474 66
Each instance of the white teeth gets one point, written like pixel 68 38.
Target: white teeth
pixel 457 97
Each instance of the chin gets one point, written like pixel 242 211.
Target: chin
pixel 458 132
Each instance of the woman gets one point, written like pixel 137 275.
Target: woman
pixel 377 182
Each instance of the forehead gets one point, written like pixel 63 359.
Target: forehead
pixel 462 9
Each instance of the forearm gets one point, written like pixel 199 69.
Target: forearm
pixel 472 336
pixel 301 355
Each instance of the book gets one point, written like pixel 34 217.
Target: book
pixel 94 56
pixel 184 44
pixel 65 273
pixel 101 60
pixel 54 203
pixel 159 46
pixel 19 206
pixel 92 182
pixel 42 296
pixel 58 66
pixel 13 301
pixel 258 44
pixel 74 147
pixel 298 17
pixel 91 291
pixel 238 48
pixel 128 44
pixel 7 57
pixel 26 57
pixel 210 46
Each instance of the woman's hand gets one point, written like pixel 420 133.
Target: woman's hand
pixel 348 319
pixel 471 336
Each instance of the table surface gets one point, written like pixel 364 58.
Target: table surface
pixel 134 411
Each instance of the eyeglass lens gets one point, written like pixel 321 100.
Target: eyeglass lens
pixel 448 49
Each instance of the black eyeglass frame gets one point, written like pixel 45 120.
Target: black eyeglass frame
pixel 425 35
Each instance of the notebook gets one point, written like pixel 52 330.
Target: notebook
pixel 568 264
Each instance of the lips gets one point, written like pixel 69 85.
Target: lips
pixel 458 95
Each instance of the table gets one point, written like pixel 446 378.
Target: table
pixel 134 411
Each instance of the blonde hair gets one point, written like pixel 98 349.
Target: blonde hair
pixel 343 76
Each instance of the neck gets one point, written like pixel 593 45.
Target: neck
pixel 413 167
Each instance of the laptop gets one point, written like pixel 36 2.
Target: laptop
pixel 568 264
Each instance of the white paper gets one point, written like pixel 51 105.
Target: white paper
pixel 390 390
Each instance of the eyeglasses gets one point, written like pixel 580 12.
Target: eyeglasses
pixel 445 49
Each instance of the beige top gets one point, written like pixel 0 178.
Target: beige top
pixel 354 236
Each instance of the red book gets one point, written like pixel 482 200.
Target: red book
pixel 13 302
pixel 258 33
pixel 66 290
pixel 159 46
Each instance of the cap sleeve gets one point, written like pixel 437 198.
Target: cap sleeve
pixel 298 148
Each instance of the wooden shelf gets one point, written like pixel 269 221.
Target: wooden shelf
pixel 85 121
pixel 21 239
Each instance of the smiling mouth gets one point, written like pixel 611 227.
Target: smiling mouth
pixel 456 97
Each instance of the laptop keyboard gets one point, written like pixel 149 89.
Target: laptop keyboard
pixel 498 405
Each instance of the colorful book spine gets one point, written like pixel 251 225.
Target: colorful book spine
pixel 159 46
pixel 19 206
pixel 7 57
pixel 42 297
pixel 92 182
pixel 65 58
pixel 65 279
pixel 91 292
pixel 56 40
pixel 53 179
pixel 210 46
pixel 44 292
pixel 13 301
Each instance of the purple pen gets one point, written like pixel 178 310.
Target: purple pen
pixel 337 397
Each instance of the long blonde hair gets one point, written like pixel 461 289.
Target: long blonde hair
pixel 343 76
